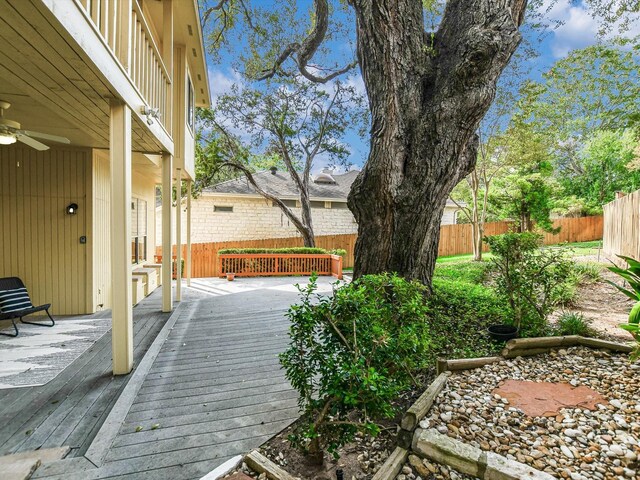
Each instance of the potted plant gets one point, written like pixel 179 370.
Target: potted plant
pixel 231 276
pixel 632 276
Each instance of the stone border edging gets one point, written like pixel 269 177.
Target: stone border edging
pixel 101 443
pixel 261 464
pixel 522 347
pixel 422 405
pixel 392 465
pixel 465 363
pixel 471 460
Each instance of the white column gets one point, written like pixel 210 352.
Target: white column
pixel 188 259
pixel 178 234
pixel 167 185
pixel 121 310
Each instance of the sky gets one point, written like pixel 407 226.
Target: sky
pixel 573 28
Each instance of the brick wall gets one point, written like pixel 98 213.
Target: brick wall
pixel 254 218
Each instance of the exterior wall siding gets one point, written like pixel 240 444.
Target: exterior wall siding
pixel 40 242
pixel 101 289
pixel 142 188
pixel 255 218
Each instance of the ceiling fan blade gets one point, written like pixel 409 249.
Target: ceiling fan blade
pixel 44 136
pixel 31 142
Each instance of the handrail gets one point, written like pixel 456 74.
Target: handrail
pixel 145 26
pixel 272 264
pixel 142 62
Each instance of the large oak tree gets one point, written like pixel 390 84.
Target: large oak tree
pixel 427 91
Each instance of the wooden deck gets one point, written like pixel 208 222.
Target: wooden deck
pixel 70 409
pixel 214 390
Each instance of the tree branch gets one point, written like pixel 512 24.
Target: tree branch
pixel 303 52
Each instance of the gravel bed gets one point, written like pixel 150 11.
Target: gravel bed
pixel 576 443
pixel 421 469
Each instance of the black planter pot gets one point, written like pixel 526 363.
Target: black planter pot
pixel 503 333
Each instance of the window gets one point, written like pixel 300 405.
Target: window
pixel 316 204
pixel 288 203
pixel 339 205
pixel 222 208
pixel 138 230
pixel 190 104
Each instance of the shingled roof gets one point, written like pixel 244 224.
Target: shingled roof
pixel 282 186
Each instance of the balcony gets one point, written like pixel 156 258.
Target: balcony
pixel 128 35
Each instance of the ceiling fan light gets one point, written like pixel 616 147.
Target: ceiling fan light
pixel 7 139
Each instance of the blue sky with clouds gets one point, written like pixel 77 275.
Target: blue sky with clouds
pixel 574 27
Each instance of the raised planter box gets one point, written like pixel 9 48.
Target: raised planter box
pixel 277 264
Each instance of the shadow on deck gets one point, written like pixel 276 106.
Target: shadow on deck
pixel 70 409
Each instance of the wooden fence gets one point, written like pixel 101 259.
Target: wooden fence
pixel 621 234
pixel 454 240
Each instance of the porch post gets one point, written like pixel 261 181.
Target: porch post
pixel 121 310
pixel 167 174
pixel 188 259
pixel 178 234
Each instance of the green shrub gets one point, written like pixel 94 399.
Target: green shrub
pixel 290 250
pixel 351 355
pixel 588 272
pixel 470 272
pixel 459 315
pixel 338 251
pixel 631 275
pixel 573 323
pixel 531 281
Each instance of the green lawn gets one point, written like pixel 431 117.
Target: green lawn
pixel 583 248
pixel 577 249
pixel 467 257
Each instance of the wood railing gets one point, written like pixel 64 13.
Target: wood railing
pixel 275 264
pixel 128 36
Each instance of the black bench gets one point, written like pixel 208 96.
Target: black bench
pixel 14 283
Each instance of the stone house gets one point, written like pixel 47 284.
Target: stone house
pixel 232 210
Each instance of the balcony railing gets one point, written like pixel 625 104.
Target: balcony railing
pixel 128 36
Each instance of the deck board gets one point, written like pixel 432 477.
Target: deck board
pixel 65 410
pixel 215 390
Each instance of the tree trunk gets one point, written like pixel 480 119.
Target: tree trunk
pixel 476 236
pixel 427 94
pixel 307 233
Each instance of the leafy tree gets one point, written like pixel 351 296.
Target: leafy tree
pixel 291 124
pixel 472 194
pixel 592 89
pixel 526 196
pixel 427 90
pixel 525 193
pixel 605 164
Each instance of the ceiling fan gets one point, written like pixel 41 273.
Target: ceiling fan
pixel 10 133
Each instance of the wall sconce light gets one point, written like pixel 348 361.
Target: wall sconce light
pixel 71 209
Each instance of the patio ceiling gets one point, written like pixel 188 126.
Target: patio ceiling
pixel 50 84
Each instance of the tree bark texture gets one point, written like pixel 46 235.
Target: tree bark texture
pixel 427 94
